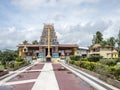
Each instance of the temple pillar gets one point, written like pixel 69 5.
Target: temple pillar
pixel 75 51
pixel 21 54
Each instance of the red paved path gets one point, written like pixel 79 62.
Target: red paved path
pixel 68 81
pixel 26 76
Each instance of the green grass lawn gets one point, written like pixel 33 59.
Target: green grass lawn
pixel 1 67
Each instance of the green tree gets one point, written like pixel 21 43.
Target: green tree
pixel 111 41
pixel 97 38
pixel 118 39
pixel 118 42
pixel 7 56
pixel 25 42
pixel 35 42
pixel 103 43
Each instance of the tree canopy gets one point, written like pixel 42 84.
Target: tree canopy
pixel 35 42
pixel 97 38
pixel 25 42
pixel 111 41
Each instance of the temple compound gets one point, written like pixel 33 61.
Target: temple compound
pixel 48 48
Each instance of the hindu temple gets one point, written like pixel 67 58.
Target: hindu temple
pixel 48 48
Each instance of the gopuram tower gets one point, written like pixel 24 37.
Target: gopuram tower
pixel 49 42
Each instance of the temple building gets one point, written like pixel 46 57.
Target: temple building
pixel 48 48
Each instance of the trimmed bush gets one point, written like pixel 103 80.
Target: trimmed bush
pixel 103 70
pixel 88 65
pixel 77 63
pixel 84 59
pixel 71 61
pixel 110 62
pixel 116 71
pixel 19 59
pixel 75 57
pixel 94 58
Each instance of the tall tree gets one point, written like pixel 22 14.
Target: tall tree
pixel 25 42
pixel 103 43
pixel 118 39
pixel 111 41
pixel 118 42
pixel 97 38
pixel 35 42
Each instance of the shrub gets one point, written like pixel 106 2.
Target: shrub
pixel 75 57
pixel 103 69
pixel 19 59
pixel 84 59
pixel 94 58
pixel 118 59
pixel 77 63
pixel 110 62
pixel 88 65
pixel 116 71
pixel 17 64
pixel 71 61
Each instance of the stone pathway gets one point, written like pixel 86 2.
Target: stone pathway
pixel 46 80
pixel 49 76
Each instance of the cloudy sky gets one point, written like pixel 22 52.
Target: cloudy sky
pixel 75 21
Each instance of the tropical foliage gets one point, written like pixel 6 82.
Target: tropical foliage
pixel 10 59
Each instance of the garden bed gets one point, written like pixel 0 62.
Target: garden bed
pixel 110 81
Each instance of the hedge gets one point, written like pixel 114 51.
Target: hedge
pixel 94 58
pixel 110 62
pixel 88 65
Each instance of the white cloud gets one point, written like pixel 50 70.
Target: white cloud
pixel 75 21
pixel 11 37
pixel 83 34
pixel 30 4
pixel 80 34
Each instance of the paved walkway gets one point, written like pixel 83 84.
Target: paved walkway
pixel 43 77
pixel 46 80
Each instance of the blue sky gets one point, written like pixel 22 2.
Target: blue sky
pixel 75 21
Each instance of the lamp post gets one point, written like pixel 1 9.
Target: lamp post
pixel 48 57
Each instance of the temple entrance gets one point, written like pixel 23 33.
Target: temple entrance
pixel 46 50
pixel 48 58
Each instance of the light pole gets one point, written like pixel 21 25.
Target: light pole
pixel 48 57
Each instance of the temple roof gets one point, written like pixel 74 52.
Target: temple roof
pixel 68 45
pixel 37 45
pixel 28 45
